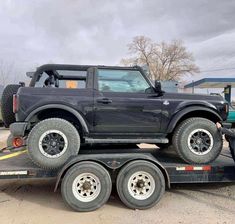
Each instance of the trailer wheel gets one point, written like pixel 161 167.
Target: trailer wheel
pixel 197 140
pixel 140 184
pixel 86 186
pixel 51 142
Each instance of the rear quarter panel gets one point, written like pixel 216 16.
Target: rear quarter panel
pixel 31 98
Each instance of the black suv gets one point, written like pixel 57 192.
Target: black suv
pixel 69 105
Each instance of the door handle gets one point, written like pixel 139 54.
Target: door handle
pixel 104 100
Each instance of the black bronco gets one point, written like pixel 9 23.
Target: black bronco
pixel 69 105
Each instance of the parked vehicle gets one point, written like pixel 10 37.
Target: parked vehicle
pixel 68 105
pixel 231 116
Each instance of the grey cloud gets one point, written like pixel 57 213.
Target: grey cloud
pixel 96 32
pixel 203 19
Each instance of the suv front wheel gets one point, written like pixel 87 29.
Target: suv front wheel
pixel 52 141
pixel 197 140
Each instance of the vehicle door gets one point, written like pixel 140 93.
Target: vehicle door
pixel 125 102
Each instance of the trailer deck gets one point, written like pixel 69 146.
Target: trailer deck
pixel 17 165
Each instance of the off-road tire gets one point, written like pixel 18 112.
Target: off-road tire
pixel 123 179
pixel 181 136
pixel 7 104
pixel 105 186
pixel 61 125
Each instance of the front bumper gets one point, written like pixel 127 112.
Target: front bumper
pixel 18 128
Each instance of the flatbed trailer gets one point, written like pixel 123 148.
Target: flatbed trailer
pixel 113 162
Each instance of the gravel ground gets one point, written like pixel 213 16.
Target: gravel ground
pixel 34 202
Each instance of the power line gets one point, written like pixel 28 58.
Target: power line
pixel 218 69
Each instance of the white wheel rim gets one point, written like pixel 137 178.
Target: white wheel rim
pixel 141 185
pixel 41 146
pixel 86 187
pixel 202 144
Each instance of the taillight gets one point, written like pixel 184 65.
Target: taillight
pixel 17 142
pixel 15 103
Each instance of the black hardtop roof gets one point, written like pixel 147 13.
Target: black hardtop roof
pixel 48 67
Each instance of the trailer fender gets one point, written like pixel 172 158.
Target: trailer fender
pixel 111 162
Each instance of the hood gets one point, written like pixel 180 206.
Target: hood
pixel 192 96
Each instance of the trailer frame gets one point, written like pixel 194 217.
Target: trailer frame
pixel 17 165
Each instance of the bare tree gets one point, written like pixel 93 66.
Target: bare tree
pixel 7 74
pixel 165 61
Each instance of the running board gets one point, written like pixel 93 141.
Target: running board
pixel 137 140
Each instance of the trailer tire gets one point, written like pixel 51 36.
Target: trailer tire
pixel 98 180
pixel 51 142
pixel 129 190
pixel 8 115
pixel 197 140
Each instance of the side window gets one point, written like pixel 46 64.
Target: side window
pixel 121 81
pixel 69 79
pixel 72 84
pixel 72 79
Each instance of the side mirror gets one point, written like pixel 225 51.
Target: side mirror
pixel 158 86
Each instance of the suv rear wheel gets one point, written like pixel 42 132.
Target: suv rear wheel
pixel 197 140
pixel 52 141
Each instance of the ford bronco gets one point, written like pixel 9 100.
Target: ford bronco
pixel 65 106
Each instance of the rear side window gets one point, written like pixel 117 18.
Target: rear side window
pixel 72 79
pixel 72 73
pixel 121 81
pixel 72 84
pixel 66 79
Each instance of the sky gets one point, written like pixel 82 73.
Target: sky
pixel 36 32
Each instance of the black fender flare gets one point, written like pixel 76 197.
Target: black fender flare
pixel 112 161
pixel 186 110
pixel 64 107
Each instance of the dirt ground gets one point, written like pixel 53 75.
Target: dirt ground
pixel 34 202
